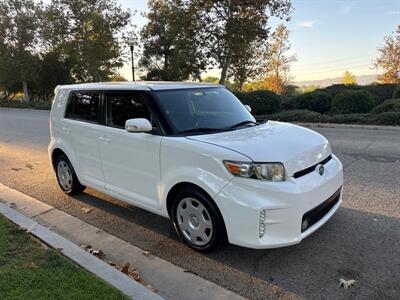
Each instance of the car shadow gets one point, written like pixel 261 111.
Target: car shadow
pixel 352 245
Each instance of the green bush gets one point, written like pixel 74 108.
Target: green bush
pixel 41 105
pixel 352 101
pixel 396 93
pixel 388 118
pixel 381 92
pixel 261 102
pixel 316 101
pixel 297 115
pixel 387 106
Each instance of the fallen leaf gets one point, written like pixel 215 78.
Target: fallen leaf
pixel 16 169
pixel 97 253
pixel 86 210
pixel 151 288
pixel 125 268
pixel 188 271
pixel 86 247
pixel 29 166
pixel 135 275
pixel 346 283
pixel 11 204
pixel 146 253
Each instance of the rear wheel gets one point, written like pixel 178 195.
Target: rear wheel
pixel 198 221
pixel 66 177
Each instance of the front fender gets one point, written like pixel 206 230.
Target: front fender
pixel 188 161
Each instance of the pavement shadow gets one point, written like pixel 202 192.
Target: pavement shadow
pixel 352 245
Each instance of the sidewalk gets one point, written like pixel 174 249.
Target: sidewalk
pixel 61 230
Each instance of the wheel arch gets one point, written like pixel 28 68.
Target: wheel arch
pixel 189 185
pixel 55 154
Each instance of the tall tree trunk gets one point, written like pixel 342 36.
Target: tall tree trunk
pixel 224 71
pixel 25 88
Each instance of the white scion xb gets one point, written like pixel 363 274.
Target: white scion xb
pixel 194 153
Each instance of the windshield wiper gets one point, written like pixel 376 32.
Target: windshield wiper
pixel 201 129
pixel 243 123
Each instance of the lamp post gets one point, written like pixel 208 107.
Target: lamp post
pixel 131 43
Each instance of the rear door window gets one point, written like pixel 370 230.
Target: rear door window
pixel 84 106
pixel 121 107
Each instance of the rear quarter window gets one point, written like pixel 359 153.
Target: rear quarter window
pixel 83 106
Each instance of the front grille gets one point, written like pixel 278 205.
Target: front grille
pixel 312 168
pixel 313 216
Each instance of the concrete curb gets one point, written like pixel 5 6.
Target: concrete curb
pixel 89 262
pixel 169 281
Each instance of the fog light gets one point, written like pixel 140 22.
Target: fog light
pixel 304 225
pixel 261 229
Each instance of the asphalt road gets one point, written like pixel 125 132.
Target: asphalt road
pixel 361 242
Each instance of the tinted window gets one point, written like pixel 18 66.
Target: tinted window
pixel 122 107
pixel 84 106
pixel 215 108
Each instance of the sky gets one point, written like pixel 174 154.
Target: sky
pixel 328 36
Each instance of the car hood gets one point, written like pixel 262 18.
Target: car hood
pixel 296 147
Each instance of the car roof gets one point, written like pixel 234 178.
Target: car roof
pixel 138 85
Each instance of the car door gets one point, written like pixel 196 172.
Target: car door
pixel 130 160
pixel 82 129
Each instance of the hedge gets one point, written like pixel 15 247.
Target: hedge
pixel 316 101
pixel 396 93
pixel 389 105
pixel 352 101
pixel 261 102
pixel 40 105
pixel 386 118
pixel 381 92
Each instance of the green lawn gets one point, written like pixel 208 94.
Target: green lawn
pixel 29 270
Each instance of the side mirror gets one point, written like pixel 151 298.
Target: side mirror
pixel 248 107
pixel 138 125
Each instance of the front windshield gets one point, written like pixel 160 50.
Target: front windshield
pixel 203 109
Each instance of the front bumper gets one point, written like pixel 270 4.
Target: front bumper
pixel 285 204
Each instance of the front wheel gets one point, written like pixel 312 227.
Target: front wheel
pixel 66 177
pixel 198 221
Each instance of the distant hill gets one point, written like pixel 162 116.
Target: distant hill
pixel 361 80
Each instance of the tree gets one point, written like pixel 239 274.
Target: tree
pixel 388 59
pixel 52 69
pixel 230 26
pixel 18 43
pixel 279 60
pixel 349 79
pixel 89 34
pixel 248 64
pixel 170 42
pixel 118 78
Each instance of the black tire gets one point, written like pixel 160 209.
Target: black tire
pixel 217 237
pixel 74 187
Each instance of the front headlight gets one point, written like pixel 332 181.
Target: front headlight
pixel 263 171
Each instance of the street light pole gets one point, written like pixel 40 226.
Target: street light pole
pixel 131 43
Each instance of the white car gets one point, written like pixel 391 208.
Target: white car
pixel 193 153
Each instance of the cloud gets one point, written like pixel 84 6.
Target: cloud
pixel 346 9
pixel 394 12
pixel 307 23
